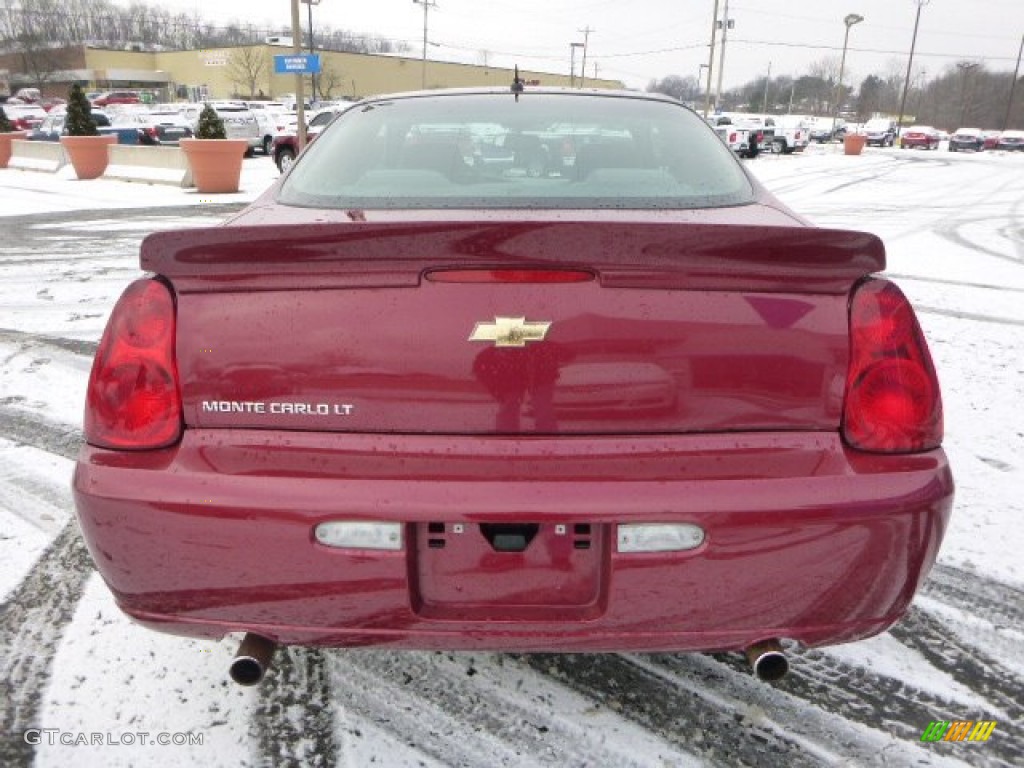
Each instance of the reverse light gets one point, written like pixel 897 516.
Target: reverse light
pixel 893 403
pixel 659 537
pixel 133 401
pixel 348 534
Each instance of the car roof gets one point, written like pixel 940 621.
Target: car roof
pixel 526 92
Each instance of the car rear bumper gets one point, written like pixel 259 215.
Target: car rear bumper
pixel 804 538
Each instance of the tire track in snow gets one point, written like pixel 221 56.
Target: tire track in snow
pixel 856 695
pixel 26 340
pixel 820 701
pixel 976 594
pixel 903 277
pixel 689 717
pixel 421 724
pixel 294 723
pixel 969 665
pixel 32 625
pixel 35 616
pixel 454 709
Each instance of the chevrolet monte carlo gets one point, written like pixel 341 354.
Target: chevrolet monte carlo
pixel 525 370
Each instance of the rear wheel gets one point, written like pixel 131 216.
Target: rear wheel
pixel 285 159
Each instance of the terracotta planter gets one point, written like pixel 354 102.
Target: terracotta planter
pixel 854 143
pixel 88 154
pixel 216 163
pixel 5 145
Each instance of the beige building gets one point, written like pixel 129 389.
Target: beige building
pixel 248 71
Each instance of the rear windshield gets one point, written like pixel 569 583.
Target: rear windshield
pixel 543 151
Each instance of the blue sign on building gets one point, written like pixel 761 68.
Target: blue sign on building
pixel 297 64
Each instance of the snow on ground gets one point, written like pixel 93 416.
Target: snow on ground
pixel 69 660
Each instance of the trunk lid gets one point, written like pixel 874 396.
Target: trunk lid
pixel 458 327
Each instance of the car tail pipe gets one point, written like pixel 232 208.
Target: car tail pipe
pixel 252 660
pixel 767 660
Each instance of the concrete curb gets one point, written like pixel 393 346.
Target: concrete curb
pixel 46 156
pixel 152 165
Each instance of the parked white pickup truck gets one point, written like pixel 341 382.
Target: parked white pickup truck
pixel 792 134
pixel 744 135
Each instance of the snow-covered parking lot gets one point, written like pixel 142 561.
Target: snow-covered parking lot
pixel 81 685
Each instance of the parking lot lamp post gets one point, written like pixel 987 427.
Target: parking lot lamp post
pixel 910 62
pixel 849 21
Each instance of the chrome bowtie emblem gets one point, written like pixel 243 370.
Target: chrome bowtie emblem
pixel 510 331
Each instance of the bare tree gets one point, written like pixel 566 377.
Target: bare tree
pixel 329 79
pixel 247 68
pixel 681 88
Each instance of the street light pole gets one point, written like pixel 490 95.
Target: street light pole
pixel 910 62
pixel 849 21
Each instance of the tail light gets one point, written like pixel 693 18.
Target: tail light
pixel 732 138
pixel 893 403
pixel 133 401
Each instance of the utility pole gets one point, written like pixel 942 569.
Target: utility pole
pixel 1013 85
pixel 726 22
pixel 300 96
pixel 427 5
pixel 965 68
pixel 583 67
pixel 910 61
pixel 711 61
pixel 312 77
pixel 572 63
pixel 764 103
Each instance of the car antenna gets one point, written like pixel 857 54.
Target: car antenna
pixel 517 84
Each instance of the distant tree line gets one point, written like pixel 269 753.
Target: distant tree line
pixel 30 27
pixel 963 94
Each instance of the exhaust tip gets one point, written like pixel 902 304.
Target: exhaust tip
pixel 252 660
pixel 768 660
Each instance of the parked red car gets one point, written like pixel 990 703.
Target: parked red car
pixel 116 97
pixel 24 117
pixel 923 136
pixel 428 393
pixel 285 145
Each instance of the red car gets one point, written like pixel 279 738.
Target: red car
pixel 285 146
pixel 116 97
pixel 428 393
pixel 923 136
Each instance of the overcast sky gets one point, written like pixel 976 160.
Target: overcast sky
pixel 637 40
